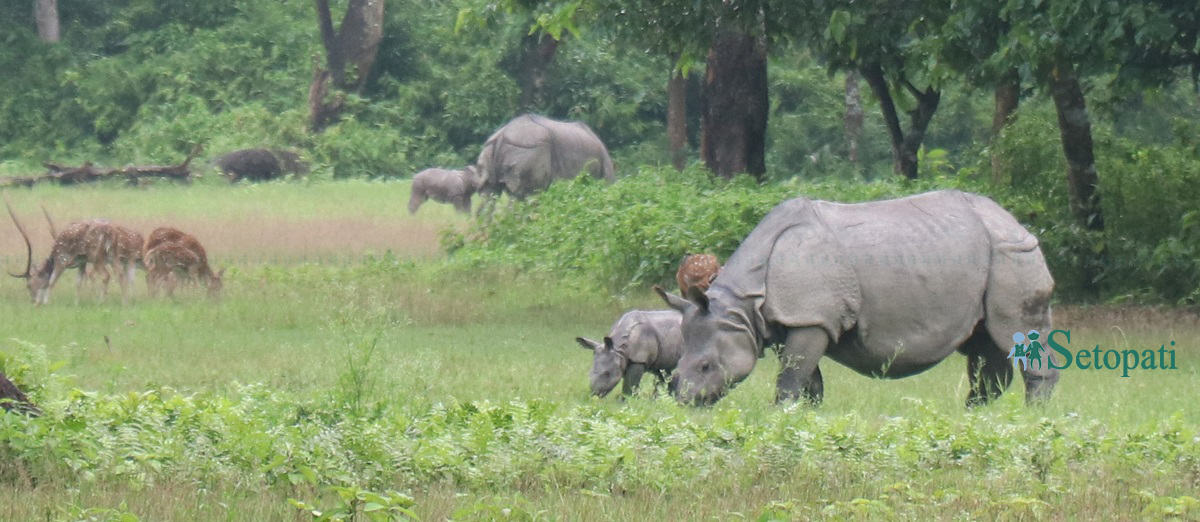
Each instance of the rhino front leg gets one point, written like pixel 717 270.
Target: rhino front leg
pixel 633 376
pixel 799 374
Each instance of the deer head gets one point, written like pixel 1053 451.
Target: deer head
pixel 36 283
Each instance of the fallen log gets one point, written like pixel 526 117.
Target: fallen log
pixel 89 173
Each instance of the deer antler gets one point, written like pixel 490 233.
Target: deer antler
pixel 53 233
pixel 28 246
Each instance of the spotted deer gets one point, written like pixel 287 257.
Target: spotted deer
pixel 697 271
pixel 117 247
pixel 71 250
pixel 172 256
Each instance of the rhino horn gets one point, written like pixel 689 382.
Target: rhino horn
pixel 587 343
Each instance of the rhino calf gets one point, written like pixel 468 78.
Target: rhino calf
pixel 639 341
pixel 454 187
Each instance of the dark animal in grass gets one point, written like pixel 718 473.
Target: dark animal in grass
pixel 640 341
pixel 698 271
pixel 530 152
pixel 453 187
pixel 14 400
pixel 260 164
pixel 886 288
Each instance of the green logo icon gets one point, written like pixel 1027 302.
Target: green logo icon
pixel 1027 351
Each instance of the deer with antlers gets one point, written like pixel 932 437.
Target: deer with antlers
pixel 171 255
pixel 109 245
pixel 71 250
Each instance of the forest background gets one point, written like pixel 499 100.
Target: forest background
pixel 1082 119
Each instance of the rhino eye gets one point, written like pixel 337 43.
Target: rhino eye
pixel 706 367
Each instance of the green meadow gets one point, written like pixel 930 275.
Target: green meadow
pixel 351 371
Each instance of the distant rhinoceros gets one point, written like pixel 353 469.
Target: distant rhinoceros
pixel 530 152
pixel 887 288
pixel 454 187
pixel 260 164
pixel 639 341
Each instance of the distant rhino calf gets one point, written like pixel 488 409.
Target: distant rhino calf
pixel 639 341
pixel 453 187
pixel 260 164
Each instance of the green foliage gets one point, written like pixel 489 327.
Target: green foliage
pixel 1148 191
pixel 503 457
pixel 352 501
pixel 635 231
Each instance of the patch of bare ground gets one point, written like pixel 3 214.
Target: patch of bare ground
pixel 1126 316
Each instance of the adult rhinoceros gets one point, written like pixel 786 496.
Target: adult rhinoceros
pixel 530 152
pixel 887 288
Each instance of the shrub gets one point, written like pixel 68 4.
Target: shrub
pixel 635 231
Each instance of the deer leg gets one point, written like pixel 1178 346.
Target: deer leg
pixel 172 281
pixel 125 277
pixel 79 283
pixel 105 277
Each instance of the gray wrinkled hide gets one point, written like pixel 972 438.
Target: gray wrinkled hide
pixel 894 286
pixel 639 341
pixel 453 187
pixel 530 152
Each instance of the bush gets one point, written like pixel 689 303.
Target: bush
pixel 1148 191
pixel 635 231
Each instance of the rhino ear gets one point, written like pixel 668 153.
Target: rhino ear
pixel 673 300
pixel 696 295
pixel 587 343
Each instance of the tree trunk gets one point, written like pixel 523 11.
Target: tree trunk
pixel 1076 132
pixel 45 14
pixel 333 59
pixel 537 55
pixel 904 146
pixel 355 45
pixel 677 117
pixel 734 124
pixel 873 74
pixel 1007 99
pixel 1082 177
pixel 358 41
pixel 854 115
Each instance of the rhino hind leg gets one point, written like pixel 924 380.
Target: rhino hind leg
pixel 988 368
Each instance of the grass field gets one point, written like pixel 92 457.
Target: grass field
pixel 390 379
